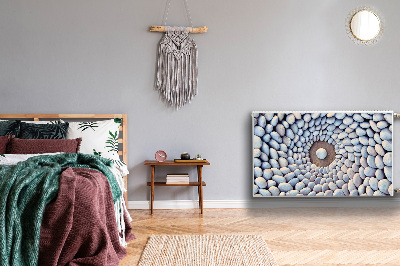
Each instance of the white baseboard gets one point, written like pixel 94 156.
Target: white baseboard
pixel 268 203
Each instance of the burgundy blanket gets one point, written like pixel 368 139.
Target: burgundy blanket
pixel 79 227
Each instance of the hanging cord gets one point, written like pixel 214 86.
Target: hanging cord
pixel 165 17
pixel 166 12
pixel 188 13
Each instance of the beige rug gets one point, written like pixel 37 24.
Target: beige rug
pixel 206 250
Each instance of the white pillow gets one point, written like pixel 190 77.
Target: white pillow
pixel 98 137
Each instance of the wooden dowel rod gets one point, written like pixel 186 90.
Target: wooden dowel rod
pixel 191 30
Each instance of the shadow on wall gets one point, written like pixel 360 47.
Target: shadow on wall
pixel 334 214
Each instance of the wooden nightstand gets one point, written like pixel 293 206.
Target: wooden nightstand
pixel 200 183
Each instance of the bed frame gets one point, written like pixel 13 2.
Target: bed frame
pixel 123 138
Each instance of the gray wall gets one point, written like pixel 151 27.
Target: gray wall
pixel 99 57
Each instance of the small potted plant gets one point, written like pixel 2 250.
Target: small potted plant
pixel 198 157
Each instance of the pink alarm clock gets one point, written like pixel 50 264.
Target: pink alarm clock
pixel 161 156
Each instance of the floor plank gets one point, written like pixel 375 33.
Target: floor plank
pixel 296 236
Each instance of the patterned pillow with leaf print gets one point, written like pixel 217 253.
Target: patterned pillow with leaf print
pixel 43 131
pixel 98 137
pixel 9 127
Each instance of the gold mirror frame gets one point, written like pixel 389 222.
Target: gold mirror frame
pixel 350 32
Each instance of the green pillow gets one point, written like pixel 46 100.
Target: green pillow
pixel 10 127
pixel 43 131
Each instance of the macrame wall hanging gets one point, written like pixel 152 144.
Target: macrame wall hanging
pixel 176 77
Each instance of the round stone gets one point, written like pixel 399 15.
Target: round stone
pixel 259 131
pixel 291 118
pixel 260 182
pixel 285 187
pixel 274 191
pixel 281 130
pixel 255 189
pixel 321 153
pixel 265 192
pixel 386 134
pixel 271 183
pixel 278 179
pixel 338 192
pixel 387 159
pixel 262 121
pixel 387 145
pixel 269 116
pixel 373 183
pixel 267 174
pixel 383 186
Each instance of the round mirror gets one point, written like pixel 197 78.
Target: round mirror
pixel 365 25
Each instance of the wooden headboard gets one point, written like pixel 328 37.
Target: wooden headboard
pixel 123 138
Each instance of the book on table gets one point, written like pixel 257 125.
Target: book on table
pixel 178 178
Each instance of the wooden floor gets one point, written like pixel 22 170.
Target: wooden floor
pixel 296 236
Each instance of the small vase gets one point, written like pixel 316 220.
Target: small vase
pixel 185 156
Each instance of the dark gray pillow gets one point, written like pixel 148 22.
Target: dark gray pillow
pixel 10 127
pixel 43 131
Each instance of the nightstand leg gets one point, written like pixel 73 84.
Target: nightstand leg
pixel 200 180
pixel 152 187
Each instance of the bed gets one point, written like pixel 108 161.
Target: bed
pixel 63 206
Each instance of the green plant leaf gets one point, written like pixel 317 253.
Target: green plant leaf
pixel 118 162
pixel 96 153
pixel 112 142
pixel 85 125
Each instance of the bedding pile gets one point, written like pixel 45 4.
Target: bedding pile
pixel 86 218
pixel 80 222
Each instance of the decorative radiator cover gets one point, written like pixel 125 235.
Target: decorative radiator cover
pixel 336 154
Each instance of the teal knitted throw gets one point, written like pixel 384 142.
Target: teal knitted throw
pixel 25 190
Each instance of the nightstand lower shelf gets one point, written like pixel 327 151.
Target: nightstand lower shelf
pixel 164 184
